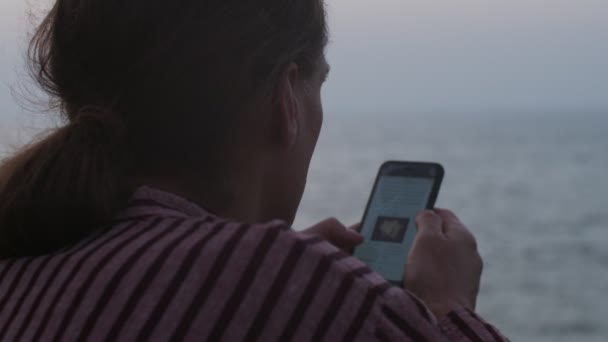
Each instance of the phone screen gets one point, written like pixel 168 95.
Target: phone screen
pixel 402 190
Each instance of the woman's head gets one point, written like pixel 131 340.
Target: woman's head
pixel 186 68
pixel 161 89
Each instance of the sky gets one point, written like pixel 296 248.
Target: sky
pixel 469 54
pixel 491 56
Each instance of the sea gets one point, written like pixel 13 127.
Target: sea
pixel 532 187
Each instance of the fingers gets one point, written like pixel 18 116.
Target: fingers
pixel 356 228
pixel 456 229
pixel 429 222
pixel 448 216
pixel 328 227
pixel 337 234
pixel 346 239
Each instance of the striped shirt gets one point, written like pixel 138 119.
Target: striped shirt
pixel 170 271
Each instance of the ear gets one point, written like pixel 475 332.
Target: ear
pixel 287 106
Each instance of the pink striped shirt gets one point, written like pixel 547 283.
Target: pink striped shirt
pixel 170 271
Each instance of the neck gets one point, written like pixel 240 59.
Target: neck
pixel 235 196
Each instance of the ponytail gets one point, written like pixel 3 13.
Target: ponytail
pixel 179 74
pixel 63 188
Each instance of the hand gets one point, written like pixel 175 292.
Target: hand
pixel 443 267
pixel 337 234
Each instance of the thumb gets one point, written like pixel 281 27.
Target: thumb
pixel 356 227
pixel 336 233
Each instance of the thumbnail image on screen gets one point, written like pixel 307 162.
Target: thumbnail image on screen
pixel 390 229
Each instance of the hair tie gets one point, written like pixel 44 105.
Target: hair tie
pixel 97 115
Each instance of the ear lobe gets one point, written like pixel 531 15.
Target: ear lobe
pixel 287 117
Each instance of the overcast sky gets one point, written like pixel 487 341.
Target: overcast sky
pixel 435 55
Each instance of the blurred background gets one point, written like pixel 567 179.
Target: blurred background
pixel 510 96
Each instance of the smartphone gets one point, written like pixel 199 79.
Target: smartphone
pixel 400 192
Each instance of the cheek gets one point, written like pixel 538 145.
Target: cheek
pixel 319 117
pixel 311 116
pixel 316 113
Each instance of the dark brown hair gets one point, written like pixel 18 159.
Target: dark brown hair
pixel 135 81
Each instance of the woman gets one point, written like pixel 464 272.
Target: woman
pixel 161 209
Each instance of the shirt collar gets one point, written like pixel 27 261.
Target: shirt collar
pixel 151 201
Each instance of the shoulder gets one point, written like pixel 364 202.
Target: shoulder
pixel 281 283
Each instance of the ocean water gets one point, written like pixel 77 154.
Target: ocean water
pixel 532 188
